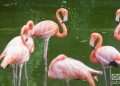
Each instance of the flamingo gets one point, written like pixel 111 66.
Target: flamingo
pixel 64 67
pixel 18 51
pixel 105 55
pixel 117 29
pixel 48 28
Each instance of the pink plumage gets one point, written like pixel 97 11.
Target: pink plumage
pixel 18 50
pixel 63 67
pixel 48 28
pixel 103 54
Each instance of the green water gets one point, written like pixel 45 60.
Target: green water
pixel 85 16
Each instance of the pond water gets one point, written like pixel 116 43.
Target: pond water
pixel 85 16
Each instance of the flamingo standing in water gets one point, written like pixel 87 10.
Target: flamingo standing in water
pixel 64 67
pixel 47 28
pixel 18 51
pixel 105 55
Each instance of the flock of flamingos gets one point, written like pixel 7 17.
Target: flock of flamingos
pixel 18 51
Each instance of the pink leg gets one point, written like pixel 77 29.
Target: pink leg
pixel 90 80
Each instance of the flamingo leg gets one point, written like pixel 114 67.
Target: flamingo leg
pixel 26 75
pixel 105 76
pixel 20 74
pixel 110 72
pixel 45 60
pixel 14 73
pixel 16 70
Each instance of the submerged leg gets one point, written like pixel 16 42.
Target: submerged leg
pixel 45 59
pixel 110 77
pixel 20 74
pixel 105 76
pixel 14 73
pixel 16 70
pixel 90 80
pixel 26 75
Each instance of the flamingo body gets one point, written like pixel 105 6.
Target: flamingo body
pixel 45 29
pixel 48 28
pixel 16 52
pixel 107 54
pixel 63 67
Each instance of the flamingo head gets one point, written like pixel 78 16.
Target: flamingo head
pixel 94 39
pixel 27 39
pixel 117 19
pixel 30 44
pixel 30 25
pixel 64 13
pixel 28 28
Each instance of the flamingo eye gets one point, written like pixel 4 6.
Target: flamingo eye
pixel 26 39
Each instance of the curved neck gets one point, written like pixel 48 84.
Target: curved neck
pixel 117 32
pixel 63 26
pixel 99 41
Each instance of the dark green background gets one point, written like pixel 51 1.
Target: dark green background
pixel 85 16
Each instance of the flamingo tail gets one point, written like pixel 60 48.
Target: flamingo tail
pixel 95 72
pixel 6 61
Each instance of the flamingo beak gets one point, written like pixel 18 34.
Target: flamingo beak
pixel 65 18
pixel 32 50
pixel 91 43
pixel 117 19
pixel 96 78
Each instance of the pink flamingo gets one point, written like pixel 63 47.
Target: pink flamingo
pixel 18 50
pixel 63 67
pixel 104 55
pixel 117 29
pixel 47 28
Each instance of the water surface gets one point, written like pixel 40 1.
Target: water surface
pixel 85 16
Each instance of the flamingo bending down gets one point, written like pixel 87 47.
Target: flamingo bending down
pixel 117 29
pixel 63 67
pixel 104 55
pixel 18 50
pixel 48 28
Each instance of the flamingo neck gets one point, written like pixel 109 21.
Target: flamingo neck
pixel 99 42
pixel 93 57
pixel 117 32
pixel 62 24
